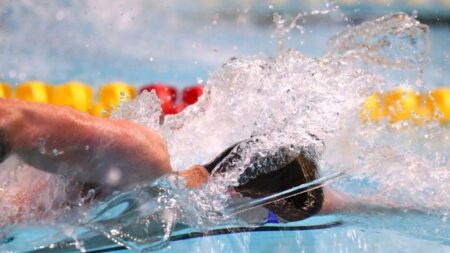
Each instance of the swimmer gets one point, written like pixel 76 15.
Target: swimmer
pixel 113 154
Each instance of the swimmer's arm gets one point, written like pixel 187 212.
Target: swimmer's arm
pixel 334 201
pixel 340 202
pixel 64 141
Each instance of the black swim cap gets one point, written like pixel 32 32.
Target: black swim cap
pixel 271 172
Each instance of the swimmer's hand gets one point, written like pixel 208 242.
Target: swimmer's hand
pixel 105 152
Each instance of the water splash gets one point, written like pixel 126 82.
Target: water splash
pixel 290 97
pixel 32 196
pixel 284 27
pixel 396 46
pixel 144 110
pixel 395 41
pixel 284 114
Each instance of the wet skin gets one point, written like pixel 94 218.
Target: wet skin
pixel 105 152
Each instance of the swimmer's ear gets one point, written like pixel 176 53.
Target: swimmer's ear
pixel 212 164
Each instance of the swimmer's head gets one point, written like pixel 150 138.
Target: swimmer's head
pixel 272 173
pixel 302 169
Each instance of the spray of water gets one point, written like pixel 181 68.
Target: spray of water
pixel 290 98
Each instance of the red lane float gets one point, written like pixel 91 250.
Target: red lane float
pixel 171 108
pixel 168 96
pixel 165 92
pixel 192 93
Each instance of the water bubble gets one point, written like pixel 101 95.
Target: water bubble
pixel 57 152
pixel 12 74
pixel 215 19
pixel 113 176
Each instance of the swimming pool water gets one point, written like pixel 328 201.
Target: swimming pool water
pixel 60 42
pixel 394 232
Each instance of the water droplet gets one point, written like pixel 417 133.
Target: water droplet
pixel 113 176
pixel 41 142
pixel 57 152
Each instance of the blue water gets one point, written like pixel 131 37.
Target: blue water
pixel 384 233
pixel 139 44
pixel 344 238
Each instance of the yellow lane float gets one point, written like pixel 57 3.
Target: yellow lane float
pixel 424 111
pixel 5 90
pixel 35 91
pixel 75 94
pixel 397 105
pixel 114 93
pixel 372 109
pixel 100 110
pixel 440 98
pixel 400 104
